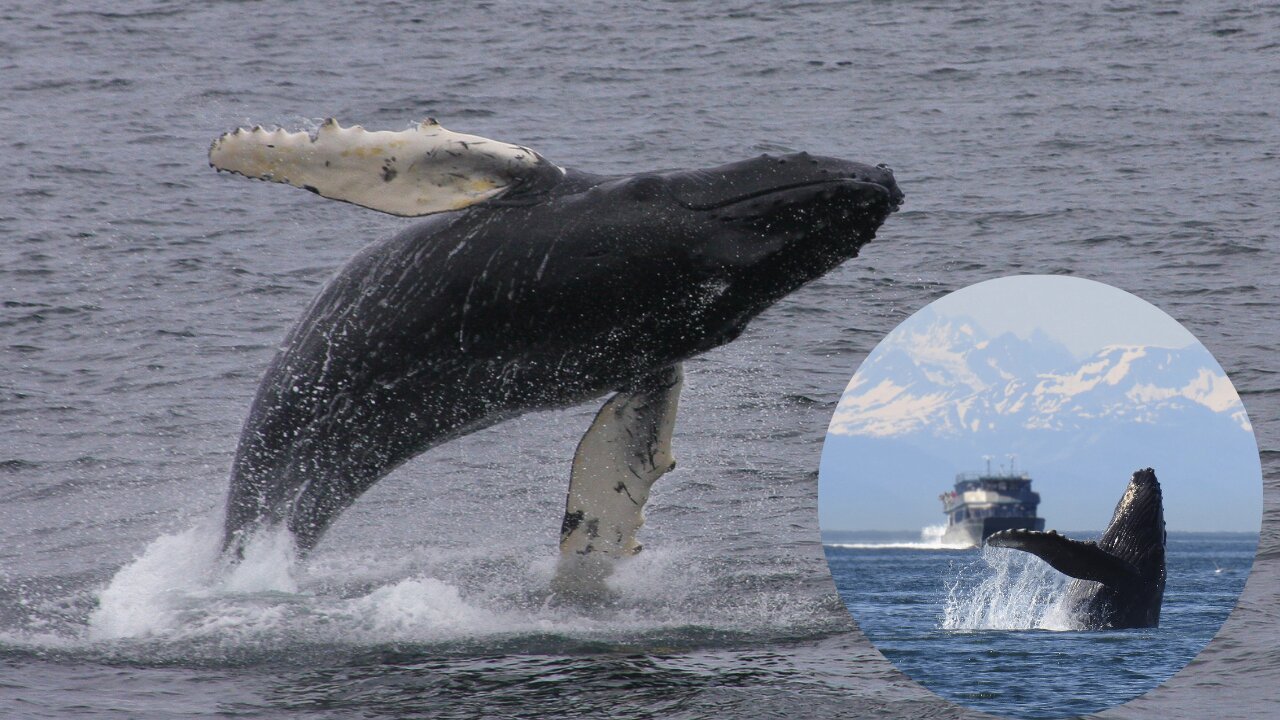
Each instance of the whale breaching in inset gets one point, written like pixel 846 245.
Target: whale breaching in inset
pixel 1120 578
pixel 531 287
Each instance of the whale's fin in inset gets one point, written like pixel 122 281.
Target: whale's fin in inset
pixel 1079 559
pixel 626 450
pixel 419 171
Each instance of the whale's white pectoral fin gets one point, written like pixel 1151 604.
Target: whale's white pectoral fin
pixel 419 171
pixel 626 450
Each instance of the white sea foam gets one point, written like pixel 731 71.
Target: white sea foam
pixel 419 608
pixel 155 594
pixel 181 589
pixel 268 565
pixel 145 596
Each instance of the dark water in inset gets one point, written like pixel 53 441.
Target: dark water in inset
pixel 985 627
pixel 141 297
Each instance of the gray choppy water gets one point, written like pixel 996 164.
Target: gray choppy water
pixel 141 296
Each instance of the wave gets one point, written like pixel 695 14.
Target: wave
pixel 930 539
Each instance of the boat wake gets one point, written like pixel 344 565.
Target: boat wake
pixel 930 539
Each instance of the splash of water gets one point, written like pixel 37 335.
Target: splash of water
pixel 932 533
pixel 180 592
pixel 149 595
pixel 1006 590
pixel 181 587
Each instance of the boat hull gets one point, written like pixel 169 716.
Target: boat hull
pixel 971 533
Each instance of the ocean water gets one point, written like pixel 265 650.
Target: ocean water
pixel 141 296
pixel 986 628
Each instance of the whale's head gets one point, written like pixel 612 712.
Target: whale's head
pixel 1137 536
pixel 772 224
pixel 738 215
pixel 743 235
pixel 1136 533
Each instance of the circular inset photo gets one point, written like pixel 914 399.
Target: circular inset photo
pixel 1040 496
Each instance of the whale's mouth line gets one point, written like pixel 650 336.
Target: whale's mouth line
pixel 893 201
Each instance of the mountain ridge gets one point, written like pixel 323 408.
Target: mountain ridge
pixel 946 376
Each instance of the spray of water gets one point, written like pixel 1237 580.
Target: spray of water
pixel 151 595
pixel 932 533
pixel 1006 590
pixel 181 590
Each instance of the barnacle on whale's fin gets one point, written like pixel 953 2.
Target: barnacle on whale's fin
pixel 422 170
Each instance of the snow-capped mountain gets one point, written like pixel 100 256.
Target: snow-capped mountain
pixel 939 395
pixel 944 377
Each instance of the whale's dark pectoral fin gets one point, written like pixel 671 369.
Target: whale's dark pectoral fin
pixel 419 171
pixel 1084 560
pixel 626 450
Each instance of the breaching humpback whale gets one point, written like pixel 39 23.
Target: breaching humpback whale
pixel 1120 578
pixel 531 287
